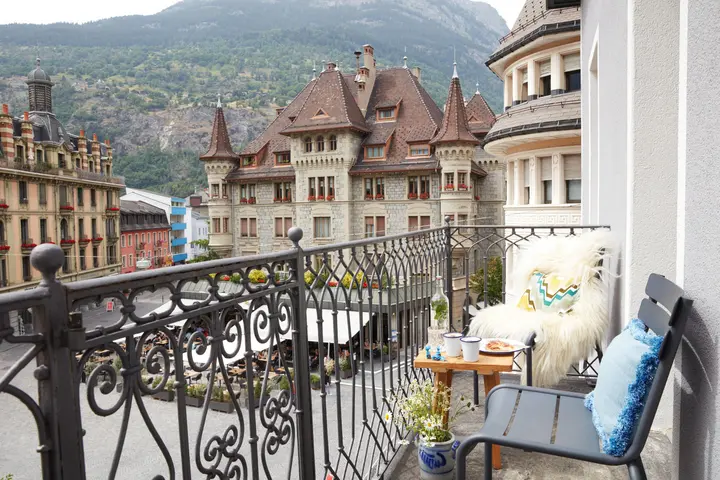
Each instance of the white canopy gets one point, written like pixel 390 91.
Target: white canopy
pixel 344 335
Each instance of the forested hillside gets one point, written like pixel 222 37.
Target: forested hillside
pixel 148 82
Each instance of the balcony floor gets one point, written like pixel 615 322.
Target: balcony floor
pixel 518 464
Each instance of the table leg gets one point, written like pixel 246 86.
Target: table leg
pixel 492 381
pixel 446 379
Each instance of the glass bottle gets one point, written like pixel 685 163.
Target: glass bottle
pixel 439 314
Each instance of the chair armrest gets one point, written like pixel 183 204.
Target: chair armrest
pixel 530 344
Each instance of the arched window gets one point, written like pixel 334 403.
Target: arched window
pixel 308 145
pixel 320 143
pixel 333 143
pixel 64 234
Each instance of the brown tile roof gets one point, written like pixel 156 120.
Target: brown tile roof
pixel 417 120
pixel 455 125
pixel 220 140
pixel 330 104
pixel 479 114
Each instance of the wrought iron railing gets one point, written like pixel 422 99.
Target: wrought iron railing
pixel 227 324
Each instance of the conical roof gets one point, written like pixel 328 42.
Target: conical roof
pixel 220 147
pixel 479 114
pixel 455 126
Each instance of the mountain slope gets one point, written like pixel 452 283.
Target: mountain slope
pixel 148 81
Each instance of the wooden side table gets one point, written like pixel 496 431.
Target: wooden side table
pixel 489 366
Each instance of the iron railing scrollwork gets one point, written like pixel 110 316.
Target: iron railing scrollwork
pixel 249 336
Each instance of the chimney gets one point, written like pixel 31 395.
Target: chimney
pixel 357 60
pixel 366 78
pixel 26 117
pixel 94 137
pixel 5 109
pixel 417 72
pixel 82 133
pixel 331 66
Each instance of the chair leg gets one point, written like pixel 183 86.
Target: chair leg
pixel 488 461
pixel 636 470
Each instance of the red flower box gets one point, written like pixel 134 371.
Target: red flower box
pixel 98 239
pixel 379 196
pixel 251 200
pixel 424 196
pixel 462 186
pixel 449 186
pixel 375 286
pixel 412 196
pixel 70 208
pixel 67 242
pixel 332 283
pixel 477 197
pixel 321 197
pixel 330 198
pixel 109 209
pixel 4 248
pixel 225 278
pixel 29 245
pixel 277 200
pixel 368 197
pixel 364 285
pixel 311 198
pixel 243 200
pixel 4 206
pixel 285 199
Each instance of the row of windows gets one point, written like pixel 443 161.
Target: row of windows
pixel 217 190
pixel 456 180
pixel 142 219
pixel 217 222
pixel 321 187
pixel 127 238
pixel 40 157
pixel 573 192
pixel 110 256
pixel 570 76
pixel 65 233
pixel 65 195
pixel 319 144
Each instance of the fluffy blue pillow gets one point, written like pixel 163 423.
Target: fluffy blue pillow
pixel 624 378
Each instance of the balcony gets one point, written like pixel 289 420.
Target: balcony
pixel 97 240
pixel 112 210
pixel 179 257
pixel 380 319
pixel 112 237
pixel 67 243
pixel 66 208
pixel 177 242
pixel 99 177
pixel 178 211
pixel 27 244
pixel 4 247
pixel 84 240
pixel 178 226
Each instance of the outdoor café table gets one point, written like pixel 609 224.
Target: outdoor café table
pixel 489 366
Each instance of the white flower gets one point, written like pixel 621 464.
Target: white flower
pixel 404 442
pixel 388 417
pixel 429 444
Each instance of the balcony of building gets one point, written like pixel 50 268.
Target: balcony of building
pixel 368 299
pixel 178 211
pixel 178 242
pixel 178 226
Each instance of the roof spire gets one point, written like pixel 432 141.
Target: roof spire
pixel 455 74
pixel 220 147
pixel 477 87
pixel 219 103
pixel 314 71
pixel 455 128
pixel 37 62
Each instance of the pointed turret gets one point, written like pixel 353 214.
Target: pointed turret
pixel 220 147
pixel 454 128
pixel 479 114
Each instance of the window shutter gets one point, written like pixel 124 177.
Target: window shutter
pixel 572 167
pixel 546 168
pixel 412 223
pixel 545 68
pixel 380 226
pixel 288 224
pixel 572 62
pixel 278 227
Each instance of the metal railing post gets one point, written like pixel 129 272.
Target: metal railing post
pixel 449 272
pixel 301 361
pixel 58 395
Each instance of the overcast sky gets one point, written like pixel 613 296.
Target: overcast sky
pixel 81 11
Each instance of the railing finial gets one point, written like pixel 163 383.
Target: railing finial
pixel 295 234
pixel 47 259
pixel 447 220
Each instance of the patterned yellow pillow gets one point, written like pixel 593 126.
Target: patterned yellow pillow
pixel 549 292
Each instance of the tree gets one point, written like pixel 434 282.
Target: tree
pixel 495 281
pixel 208 253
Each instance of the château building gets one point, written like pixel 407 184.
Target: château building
pixel 538 134
pixel 352 156
pixel 55 187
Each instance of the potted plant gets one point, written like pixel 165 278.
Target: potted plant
pixel 421 411
pixel 462 186
pixel 345 367
pixel 330 367
pixel 88 369
pixel 259 400
pixel 167 395
pixel 379 196
pixel 385 352
pixel 284 383
pixel 449 186
pixel 243 200
pixel 311 198
pixel 257 277
pixel 220 400
pixel 368 196
pixel 424 196
pixel 412 196
pixel 321 197
pixel 251 200
pixel 315 381
pixel 330 198
pixel 195 394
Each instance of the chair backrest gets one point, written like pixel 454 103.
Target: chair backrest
pixel 665 312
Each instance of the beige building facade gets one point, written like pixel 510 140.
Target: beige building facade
pixel 55 187
pixel 538 135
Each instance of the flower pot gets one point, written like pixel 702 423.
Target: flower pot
pixel 165 396
pixel 346 374
pixel 437 461
pixel 224 407
pixel 194 401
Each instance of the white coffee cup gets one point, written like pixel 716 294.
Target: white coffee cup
pixel 470 348
pixel 452 344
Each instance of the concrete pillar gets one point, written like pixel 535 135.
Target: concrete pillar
pixel 558 180
pixel 517 86
pixel 534 181
pixel 519 197
pixel 557 74
pixel 533 80
pixel 508 91
pixel 510 183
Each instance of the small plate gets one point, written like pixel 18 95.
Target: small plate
pixel 516 346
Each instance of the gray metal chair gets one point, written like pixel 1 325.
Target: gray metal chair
pixel 557 423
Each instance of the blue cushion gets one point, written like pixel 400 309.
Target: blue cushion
pixel 624 379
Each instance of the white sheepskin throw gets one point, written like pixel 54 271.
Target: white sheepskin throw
pixel 562 339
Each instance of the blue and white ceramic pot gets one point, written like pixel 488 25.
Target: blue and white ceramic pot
pixel 437 462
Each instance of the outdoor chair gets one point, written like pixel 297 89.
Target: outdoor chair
pixel 558 423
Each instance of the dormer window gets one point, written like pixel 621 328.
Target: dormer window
pixel 320 114
pixel 375 152
pixel 320 143
pixel 248 161
pixel 386 114
pixel 419 150
pixel 282 158
pixel 308 145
